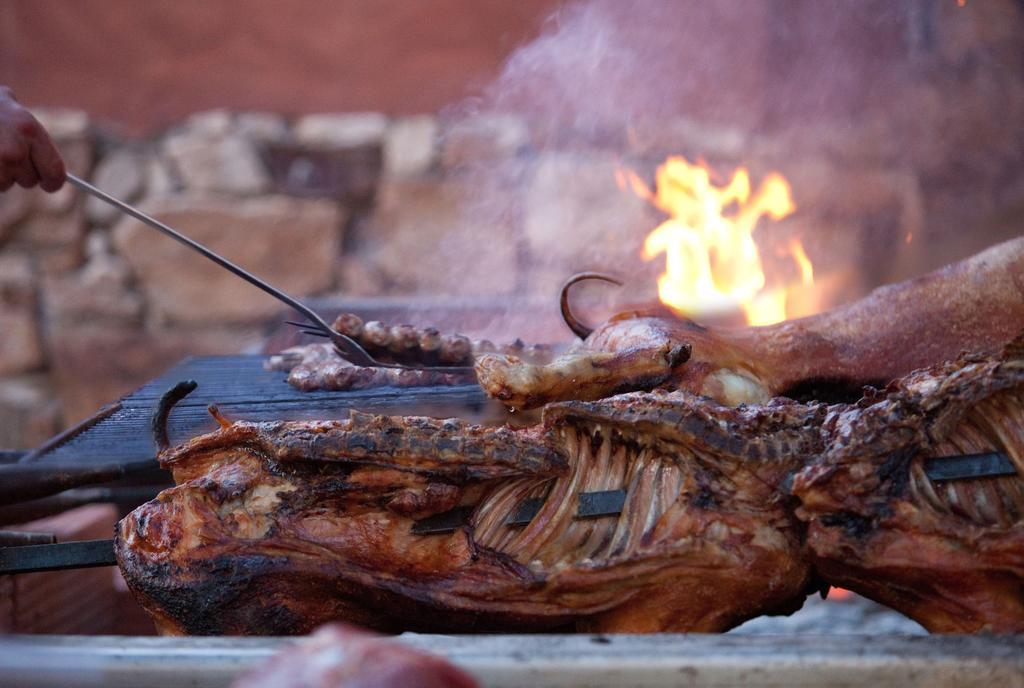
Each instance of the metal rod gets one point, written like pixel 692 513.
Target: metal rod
pixel 967 466
pixel 350 348
pixel 22 538
pixel 22 482
pixel 65 555
pixel 127 497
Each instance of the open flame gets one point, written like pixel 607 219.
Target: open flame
pixel 712 264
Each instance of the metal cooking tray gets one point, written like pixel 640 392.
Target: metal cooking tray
pixel 695 660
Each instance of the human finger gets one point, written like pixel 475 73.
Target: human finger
pixel 25 173
pixel 47 162
pixel 14 153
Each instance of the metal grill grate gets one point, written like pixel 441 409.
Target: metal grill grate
pixel 244 390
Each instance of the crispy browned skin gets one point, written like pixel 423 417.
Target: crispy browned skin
pixel 339 656
pixel 949 555
pixel 278 527
pixel 974 305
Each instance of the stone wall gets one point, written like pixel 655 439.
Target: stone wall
pixel 93 304
pixel 491 206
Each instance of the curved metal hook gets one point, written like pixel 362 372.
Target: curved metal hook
pixel 578 328
pixel 163 411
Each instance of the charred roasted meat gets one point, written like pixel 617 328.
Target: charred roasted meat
pixel 729 513
pixel 339 656
pixel 279 527
pixel 950 555
pixel 431 358
pixel 318 366
pixel 974 305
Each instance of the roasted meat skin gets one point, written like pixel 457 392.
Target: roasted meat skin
pixel 974 305
pixel 730 513
pixel 949 555
pixel 275 528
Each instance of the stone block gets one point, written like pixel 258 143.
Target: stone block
pixel 20 349
pixel 29 411
pixel 349 175
pixel 15 205
pixel 357 276
pixel 350 130
pixel 227 163
pixel 210 123
pixel 577 217
pixel 291 243
pixel 97 363
pixel 46 231
pixel 427 238
pixel 261 126
pixel 838 190
pixel 122 175
pixel 866 142
pixel 484 137
pixel 410 145
pixel 160 178
pixel 689 137
pixel 99 291
pixel 63 124
pixel 54 241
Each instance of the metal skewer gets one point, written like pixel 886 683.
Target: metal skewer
pixel 347 347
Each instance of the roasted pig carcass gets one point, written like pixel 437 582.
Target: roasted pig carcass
pixel 974 305
pixel 948 554
pixel 276 528
pixel 339 656
pixel 729 513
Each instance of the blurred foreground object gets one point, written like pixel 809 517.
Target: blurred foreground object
pixel 338 656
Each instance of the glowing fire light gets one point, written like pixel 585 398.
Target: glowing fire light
pixel 712 264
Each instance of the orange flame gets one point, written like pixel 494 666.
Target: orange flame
pixel 712 264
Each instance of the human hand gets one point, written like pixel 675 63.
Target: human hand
pixel 27 155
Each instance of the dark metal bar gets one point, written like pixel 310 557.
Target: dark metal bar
pixel 21 538
pixel 591 505
pixel 11 456
pixel 124 497
pixel 22 482
pixel 65 555
pixel 604 503
pixel 528 509
pixel 986 465
pixel 447 522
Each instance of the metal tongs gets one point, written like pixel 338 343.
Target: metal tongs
pixel 346 347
